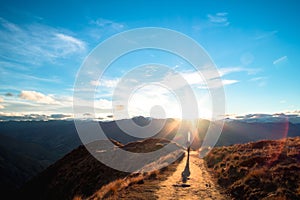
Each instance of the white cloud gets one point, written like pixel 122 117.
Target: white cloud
pixel 292 117
pixel 35 102
pixel 109 83
pixel 193 78
pixel 95 83
pixel 73 43
pixel 219 18
pixel 70 39
pixel 261 81
pixel 294 112
pixel 229 82
pixel 93 105
pixel 208 74
pixel 1 100
pixel 207 77
pixel 36 43
pixel 279 60
pixel 263 35
pixel 215 83
pixel 103 104
pixel 24 116
pixel 104 23
pixel 9 26
pixel 37 97
pixel 228 70
pixel 103 27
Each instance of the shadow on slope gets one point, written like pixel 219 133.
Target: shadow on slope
pixel 80 174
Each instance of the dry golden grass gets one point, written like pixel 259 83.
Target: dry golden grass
pixel 259 170
pixel 111 189
pixel 147 188
pixel 117 188
pixel 77 198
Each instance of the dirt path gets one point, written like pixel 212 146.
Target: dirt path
pixel 201 184
pixel 162 186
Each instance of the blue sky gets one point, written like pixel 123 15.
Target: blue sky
pixel 254 44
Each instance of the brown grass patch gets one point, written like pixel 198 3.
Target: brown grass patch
pixel 260 170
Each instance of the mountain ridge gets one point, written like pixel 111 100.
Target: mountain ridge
pixel 43 143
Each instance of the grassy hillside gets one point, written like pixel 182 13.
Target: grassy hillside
pixel 80 174
pixel 259 170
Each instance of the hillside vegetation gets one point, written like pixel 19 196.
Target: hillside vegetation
pixel 259 170
pixel 79 174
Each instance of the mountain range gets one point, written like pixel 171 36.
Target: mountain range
pixel 29 147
